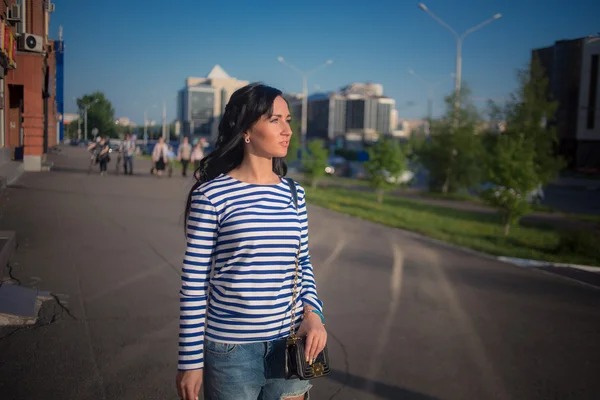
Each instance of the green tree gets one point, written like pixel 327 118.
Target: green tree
pixel 522 158
pixel 386 162
pixel 101 115
pixel 315 161
pixel 454 153
pixel 527 112
pixel 512 171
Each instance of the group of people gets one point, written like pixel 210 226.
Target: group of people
pixel 162 154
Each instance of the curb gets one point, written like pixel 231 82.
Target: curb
pixel 525 263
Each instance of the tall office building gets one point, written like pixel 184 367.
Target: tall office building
pixel 369 116
pixel 202 101
pixel 326 116
pixel 573 71
pixel 358 113
pixel 385 115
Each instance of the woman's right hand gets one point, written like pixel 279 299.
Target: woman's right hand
pixel 189 383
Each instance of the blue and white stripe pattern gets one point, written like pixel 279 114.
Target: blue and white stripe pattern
pixel 251 233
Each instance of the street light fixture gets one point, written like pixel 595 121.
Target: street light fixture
pixel 430 88
pixel 304 75
pixel 459 40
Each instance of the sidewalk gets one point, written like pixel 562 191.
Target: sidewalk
pixel 110 249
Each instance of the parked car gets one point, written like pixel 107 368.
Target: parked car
pixel 403 178
pixel 536 196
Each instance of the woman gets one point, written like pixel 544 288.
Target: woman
pixel 241 213
pixel 160 155
pixel 102 150
pixel 197 155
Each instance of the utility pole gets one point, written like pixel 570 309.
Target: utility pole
pixel 164 122
pixel 304 75
pixel 79 126
pixel 85 110
pixel 459 40
pixel 145 127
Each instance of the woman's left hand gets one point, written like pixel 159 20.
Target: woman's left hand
pixel 316 335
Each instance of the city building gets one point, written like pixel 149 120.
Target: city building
pixel 8 44
pixel 29 120
pixel 124 121
pixel 356 114
pixel 363 89
pixel 385 115
pixel 407 127
pixel 326 116
pixel 202 101
pixel 572 67
pixel 59 50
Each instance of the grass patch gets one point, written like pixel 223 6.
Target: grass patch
pixel 482 232
pixel 585 217
pixel 452 196
pixel 346 181
pixel 542 208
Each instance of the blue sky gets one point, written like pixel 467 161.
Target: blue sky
pixel 139 52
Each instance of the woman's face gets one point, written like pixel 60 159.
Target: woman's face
pixel 270 136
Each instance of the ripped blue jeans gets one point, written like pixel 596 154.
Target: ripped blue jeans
pixel 249 371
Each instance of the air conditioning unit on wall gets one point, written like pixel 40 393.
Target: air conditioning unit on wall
pixel 31 43
pixel 13 14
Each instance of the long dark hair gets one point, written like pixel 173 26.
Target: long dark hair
pixel 246 106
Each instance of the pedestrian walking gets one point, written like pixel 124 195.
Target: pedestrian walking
pixel 197 155
pixel 184 154
pixel 128 150
pixel 253 323
pixel 160 155
pixel 102 150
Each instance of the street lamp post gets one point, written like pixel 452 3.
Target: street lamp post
pixel 85 110
pixel 459 40
pixel 304 75
pixel 430 89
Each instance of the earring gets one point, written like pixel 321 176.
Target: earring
pixel 247 140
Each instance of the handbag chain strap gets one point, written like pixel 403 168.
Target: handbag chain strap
pixel 292 185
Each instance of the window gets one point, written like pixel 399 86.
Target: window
pixel 593 92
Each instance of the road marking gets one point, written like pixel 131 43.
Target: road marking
pixel 490 379
pixel 384 334
pixel 324 270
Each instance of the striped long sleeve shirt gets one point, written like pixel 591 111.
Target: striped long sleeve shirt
pixel 239 266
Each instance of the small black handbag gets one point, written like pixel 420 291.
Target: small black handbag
pixel 295 359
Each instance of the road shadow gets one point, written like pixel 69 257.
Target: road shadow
pixel 503 281
pixel 380 389
pixel 142 173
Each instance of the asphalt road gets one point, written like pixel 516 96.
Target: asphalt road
pixel 408 319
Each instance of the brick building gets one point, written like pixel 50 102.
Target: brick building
pixel 29 114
